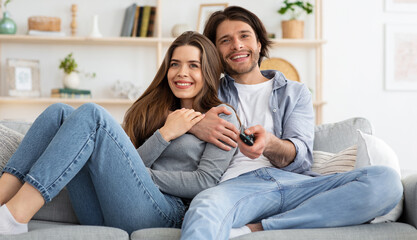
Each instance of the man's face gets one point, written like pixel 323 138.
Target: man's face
pixel 238 47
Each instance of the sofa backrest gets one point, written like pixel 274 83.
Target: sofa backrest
pixel 334 137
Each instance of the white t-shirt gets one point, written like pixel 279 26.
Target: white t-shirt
pixel 253 109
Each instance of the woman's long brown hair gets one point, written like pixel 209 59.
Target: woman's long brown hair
pixel 149 112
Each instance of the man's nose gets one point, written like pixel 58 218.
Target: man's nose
pixel 237 44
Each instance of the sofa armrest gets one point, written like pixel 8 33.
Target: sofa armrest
pixel 410 200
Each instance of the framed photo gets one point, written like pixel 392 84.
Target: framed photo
pixel 401 5
pixel 23 78
pixel 401 57
pixel 205 11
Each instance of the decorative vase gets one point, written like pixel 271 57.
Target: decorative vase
pixel 95 32
pixel 178 29
pixel 71 80
pixel 292 29
pixel 7 25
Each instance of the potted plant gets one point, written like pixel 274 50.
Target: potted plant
pixel 71 78
pixel 294 28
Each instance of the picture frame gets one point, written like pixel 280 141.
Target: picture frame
pixel 23 78
pixel 401 5
pixel 205 11
pixel 401 57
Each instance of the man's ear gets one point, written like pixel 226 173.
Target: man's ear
pixel 259 46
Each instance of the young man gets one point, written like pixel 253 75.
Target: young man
pixel 268 185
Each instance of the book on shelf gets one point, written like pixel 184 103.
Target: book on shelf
pixel 70 93
pixel 145 21
pixel 152 19
pixel 139 21
pixel 46 33
pixel 128 21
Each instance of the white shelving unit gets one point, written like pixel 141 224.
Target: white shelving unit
pixel 9 106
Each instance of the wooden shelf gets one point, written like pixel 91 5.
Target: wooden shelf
pixel 297 42
pixel 107 101
pixel 129 41
pixel 120 41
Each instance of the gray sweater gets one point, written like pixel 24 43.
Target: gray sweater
pixel 186 165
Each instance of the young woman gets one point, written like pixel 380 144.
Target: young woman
pixel 111 181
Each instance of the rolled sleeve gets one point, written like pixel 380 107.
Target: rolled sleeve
pixel 299 129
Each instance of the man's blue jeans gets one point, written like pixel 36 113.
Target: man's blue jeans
pixel 283 200
pixel 89 152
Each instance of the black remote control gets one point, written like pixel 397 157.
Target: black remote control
pixel 247 139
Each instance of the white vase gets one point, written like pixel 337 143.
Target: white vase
pixel 95 32
pixel 178 29
pixel 71 80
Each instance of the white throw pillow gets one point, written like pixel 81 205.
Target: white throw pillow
pixel 328 163
pixel 9 141
pixel 374 151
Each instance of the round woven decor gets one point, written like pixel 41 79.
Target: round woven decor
pixel 281 65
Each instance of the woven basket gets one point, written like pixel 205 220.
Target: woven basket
pixel 281 65
pixel 41 23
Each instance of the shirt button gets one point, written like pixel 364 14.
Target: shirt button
pixel 274 110
pixel 280 133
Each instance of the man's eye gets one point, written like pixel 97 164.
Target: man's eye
pixel 224 41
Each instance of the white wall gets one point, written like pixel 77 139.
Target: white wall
pixel 353 57
pixel 354 74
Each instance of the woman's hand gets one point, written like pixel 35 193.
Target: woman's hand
pixel 179 122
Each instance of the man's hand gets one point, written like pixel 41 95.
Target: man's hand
pixel 279 152
pixel 259 143
pixel 216 130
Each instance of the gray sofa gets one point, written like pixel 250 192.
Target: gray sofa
pixel 56 220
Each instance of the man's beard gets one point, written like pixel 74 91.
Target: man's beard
pixel 236 72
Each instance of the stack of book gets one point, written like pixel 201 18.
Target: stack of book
pixel 70 93
pixel 139 21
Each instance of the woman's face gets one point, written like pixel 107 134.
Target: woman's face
pixel 184 74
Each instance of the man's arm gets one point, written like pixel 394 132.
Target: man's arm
pixel 280 152
pixel 216 130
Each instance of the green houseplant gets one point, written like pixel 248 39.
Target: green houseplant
pixel 294 28
pixel 71 78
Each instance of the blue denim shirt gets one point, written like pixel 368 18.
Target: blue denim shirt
pixel 292 112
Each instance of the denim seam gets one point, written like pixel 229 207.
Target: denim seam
pixel 313 197
pixel 138 180
pixel 14 172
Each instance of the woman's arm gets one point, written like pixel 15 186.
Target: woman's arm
pixel 212 165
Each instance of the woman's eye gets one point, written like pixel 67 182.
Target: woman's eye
pixel 173 64
pixel 194 66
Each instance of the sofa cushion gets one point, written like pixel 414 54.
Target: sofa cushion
pixel 9 141
pixel 328 163
pixel 334 137
pixel 53 230
pixel 381 231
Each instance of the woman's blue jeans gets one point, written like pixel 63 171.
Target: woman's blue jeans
pixel 89 152
pixel 282 200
